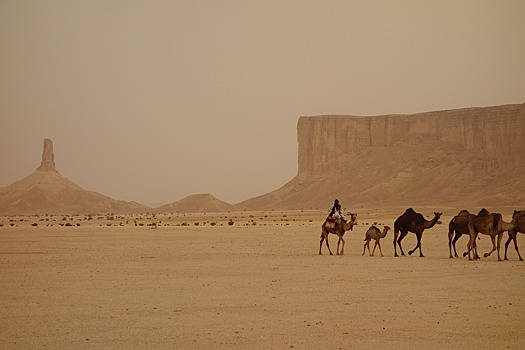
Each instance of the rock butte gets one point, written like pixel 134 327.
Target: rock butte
pixel 48 157
pixel 46 191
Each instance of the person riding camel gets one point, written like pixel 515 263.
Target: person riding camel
pixel 336 212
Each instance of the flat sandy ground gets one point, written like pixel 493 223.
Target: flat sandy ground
pixel 258 284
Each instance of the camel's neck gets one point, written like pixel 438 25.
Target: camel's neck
pixel 383 234
pixel 517 216
pixel 507 226
pixel 431 223
pixel 348 226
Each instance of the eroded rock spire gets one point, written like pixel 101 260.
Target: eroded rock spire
pixel 48 158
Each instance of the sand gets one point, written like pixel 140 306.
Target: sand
pixel 257 284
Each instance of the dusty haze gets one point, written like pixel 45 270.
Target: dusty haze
pixel 153 101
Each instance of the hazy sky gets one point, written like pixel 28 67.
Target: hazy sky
pixel 155 100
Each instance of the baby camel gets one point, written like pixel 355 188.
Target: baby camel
pixel 374 233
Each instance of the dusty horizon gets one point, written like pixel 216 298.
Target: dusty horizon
pixel 152 102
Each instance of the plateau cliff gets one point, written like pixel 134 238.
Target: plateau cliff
pixel 472 156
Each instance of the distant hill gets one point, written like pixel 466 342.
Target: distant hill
pixel 197 203
pixel 46 191
pixel 456 158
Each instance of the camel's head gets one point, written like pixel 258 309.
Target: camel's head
pixel 386 228
pixel 518 218
pixel 352 221
pixel 517 214
pixel 353 218
pixel 437 214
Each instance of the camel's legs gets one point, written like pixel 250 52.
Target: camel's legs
pixel 512 237
pixel 395 244
pixel 500 236
pixel 328 245
pixel 403 234
pixel 367 244
pixel 450 232
pixel 475 247
pixel 493 239
pixel 466 252
pixel 516 247
pixel 413 250
pixel 341 240
pixel 456 237
pixel 378 243
pixel 474 250
pixel 507 245
pixel 419 236
pixel 494 246
pixel 471 246
pixel 324 237
pixel 418 245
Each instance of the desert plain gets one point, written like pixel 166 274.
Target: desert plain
pixel 248 280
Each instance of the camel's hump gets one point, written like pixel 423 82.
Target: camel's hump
pixel 483 212
pixel 464 212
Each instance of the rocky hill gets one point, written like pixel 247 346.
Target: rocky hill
pixel 464 157
pixel 197 203
pixel 46 191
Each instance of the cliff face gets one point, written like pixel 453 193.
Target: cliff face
pixel 457 158
pixel 494 132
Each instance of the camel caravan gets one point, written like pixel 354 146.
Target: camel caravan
pixel 464 223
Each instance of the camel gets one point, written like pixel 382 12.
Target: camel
pixel 374 233
pixel 519 217
pixel 459 224
pixel 339 230
pixel 490 224
pixel 410 221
